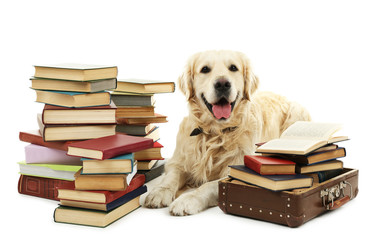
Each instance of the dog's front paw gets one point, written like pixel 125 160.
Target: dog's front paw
pixel 159 197
pixel 187 204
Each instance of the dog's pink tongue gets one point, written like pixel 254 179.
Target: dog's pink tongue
pixel 222 111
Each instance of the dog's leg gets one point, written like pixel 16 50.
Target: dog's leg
pixel 196 201
pixel 164 193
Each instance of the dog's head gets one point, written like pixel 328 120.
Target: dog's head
pixel 218 81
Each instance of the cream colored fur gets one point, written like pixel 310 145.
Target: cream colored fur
pixel 200 161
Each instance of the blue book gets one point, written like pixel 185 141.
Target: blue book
pixel 122 164
pixel 73 99
pixel 271 182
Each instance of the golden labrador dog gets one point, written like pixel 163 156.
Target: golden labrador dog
pixel 226 118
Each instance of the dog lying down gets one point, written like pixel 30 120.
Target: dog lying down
pixel 226 118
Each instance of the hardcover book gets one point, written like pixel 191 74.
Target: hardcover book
pixel 86 116
pixel 75 71
pixel 73 99
pixel 271 182
pixel 269 165
pixel 94 218
pixel 106 206
pixel 110 146
pixel 73 86
pixel 134 111
pixel 40 186
pixel 116 165
pixel 146 165
pixel 40 154
pixel 35 137
pixel 144 86
pixel 321 166
pixel 53 132
pixel 132 99
pixel 150 153
pixel 157 118
pixel 135 130
pixel 56 171
pixel 156 171
pixel 303 137
pixel 67 192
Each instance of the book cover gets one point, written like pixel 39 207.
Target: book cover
pixel 40 154
pixel 144 86
pixel 156 171
pixel 73 86
pixel 320 166
pixel 67 192
pixel 271 182
pixel 157 118
pixel 110 146
pixel 35 137
pixel 40 187
pixel 129 99
pixel 150 153
pixel 269 165
pixel 120 164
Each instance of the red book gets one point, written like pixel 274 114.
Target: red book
pixel 269 165
pixel 68 192
pixel 153 153
pixel 35 137
pixel 109 146
pixel 40 187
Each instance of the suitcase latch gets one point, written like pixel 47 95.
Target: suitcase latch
pixel 329 195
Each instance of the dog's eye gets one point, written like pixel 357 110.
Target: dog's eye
pixel 233 68
pixel 205 69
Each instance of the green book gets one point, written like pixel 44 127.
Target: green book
pixel 56 171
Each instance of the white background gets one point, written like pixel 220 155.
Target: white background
pixel 323 54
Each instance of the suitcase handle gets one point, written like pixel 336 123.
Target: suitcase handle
pixel 330 194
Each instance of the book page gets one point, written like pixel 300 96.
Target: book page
pixel 311 130
pixel 288 145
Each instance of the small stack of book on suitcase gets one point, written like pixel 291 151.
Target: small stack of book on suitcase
pixel 76 156
pixel 136 116
pixel 303 158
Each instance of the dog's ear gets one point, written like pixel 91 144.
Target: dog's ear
pixel 251 81
pixel 185 81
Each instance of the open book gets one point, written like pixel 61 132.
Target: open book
pixel 302 138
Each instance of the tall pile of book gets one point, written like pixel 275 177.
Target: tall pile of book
pixel 136 116
pixel 305 154
pixel 78 108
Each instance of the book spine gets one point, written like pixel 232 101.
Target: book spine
pixel 40 187
pixel 252 164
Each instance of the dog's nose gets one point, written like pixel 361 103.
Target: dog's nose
pixel 222 85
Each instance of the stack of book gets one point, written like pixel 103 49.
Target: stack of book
pixel 136 116
pixel 107 187
pixel 77 106
pixel 304 154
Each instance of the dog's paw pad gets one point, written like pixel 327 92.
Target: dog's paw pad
pixel 158 198
pixel 187 204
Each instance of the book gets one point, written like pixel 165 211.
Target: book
pixel 303 137
pixel 40 154
pixel 271 182
pixel 35 137
pixel 150 153
pixel 65 116
pixel 269 165
pixel 109 147
pixel 154 134
pixel 73 99
pixel 157 118
pixel 106 206
pixel 75 71
pixel 45 170
pixel 132 99
pixel 67 192
pixel 156 171
pixel 144 86
pixel 116 165
pixel 40 186
pixel 53 132
pixel 134 111
pixel 135 130
pixel 322 176
pixel 73 86
pixel 108 182
pixel 321 166
pixel 146 165
pixel 94 218
pixel 315 156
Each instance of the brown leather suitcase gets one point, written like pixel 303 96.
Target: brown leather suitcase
pixel 291 208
